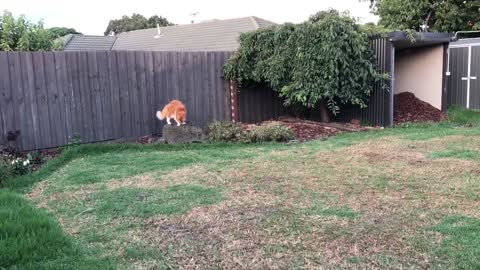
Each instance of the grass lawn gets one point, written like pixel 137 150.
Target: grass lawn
pixel 397 198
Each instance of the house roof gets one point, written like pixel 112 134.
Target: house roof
pixel 88 43
pixel 214 35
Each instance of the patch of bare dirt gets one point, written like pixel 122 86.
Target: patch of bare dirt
pixel 223 236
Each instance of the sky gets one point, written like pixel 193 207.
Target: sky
pixel 92 16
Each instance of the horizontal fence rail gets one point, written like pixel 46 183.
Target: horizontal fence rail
pixel 54 97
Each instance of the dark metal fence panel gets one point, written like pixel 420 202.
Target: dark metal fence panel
pixel 257 104
pixel 51 96
pixel 380 105
pixel 475 83
pixel 457 93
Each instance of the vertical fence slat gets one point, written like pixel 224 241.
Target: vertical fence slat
pixel 115 95
pixel 18 97
pixel 65 100
pixel 196 88
pixel 105 95
pixel 133 94
pixel 151 98
pixel 31 108
pixel 126 116
pixel 42 99
pixel 6 99
pixel 96 97
pixel 56 122
pixel 73 75
pixel 86 98
pixel 161 85
pixel 142 92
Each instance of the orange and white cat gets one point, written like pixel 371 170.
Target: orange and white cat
pixel 174 110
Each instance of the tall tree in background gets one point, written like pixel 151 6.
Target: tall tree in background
pixel 62 31
pixel 135 22
pixel 428 15
pixel 22 35
pixel 322 63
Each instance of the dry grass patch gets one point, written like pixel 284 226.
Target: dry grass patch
pixel 365 206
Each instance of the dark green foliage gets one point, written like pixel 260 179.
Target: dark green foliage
pixel 439 16
pixel 135 22
pixel 272 132
pixel 30 239
pixel 326 60
pixel 62 31
pixel 225 132
pixel 464 117
pixel 21 166
pixel 36 157
pixel 5 171
pixel 22 35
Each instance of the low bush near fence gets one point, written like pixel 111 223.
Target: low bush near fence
pixel 232 132
pixel 5 171
pixel 225 132
pixel 271 132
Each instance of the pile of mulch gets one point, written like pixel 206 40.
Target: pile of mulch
pixel 408 108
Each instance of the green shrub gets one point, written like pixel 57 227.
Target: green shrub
pixel 225 132
pixel 232 132
pixel 36 158
pixel 5 171
pixel 271 132
pixel 21 166
pixel 462 116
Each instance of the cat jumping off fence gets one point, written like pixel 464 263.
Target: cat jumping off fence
pixel 174 110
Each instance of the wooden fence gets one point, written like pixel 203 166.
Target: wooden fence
pixel 52 96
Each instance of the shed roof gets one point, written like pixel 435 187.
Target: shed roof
pixel 466 41
pixel 400 40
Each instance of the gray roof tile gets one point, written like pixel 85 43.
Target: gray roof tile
pixel 89 43
pixel 216 35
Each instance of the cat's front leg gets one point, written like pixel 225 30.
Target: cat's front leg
pixel 178 123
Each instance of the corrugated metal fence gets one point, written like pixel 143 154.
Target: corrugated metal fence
pixel 257 104
pixel 380 109
pixel 51 96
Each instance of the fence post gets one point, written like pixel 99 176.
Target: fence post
pixel 234 101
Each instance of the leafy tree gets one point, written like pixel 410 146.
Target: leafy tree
pixel 433 15
pixel 22 35
pixel 135 22
pixel 321 63
pixel 62 31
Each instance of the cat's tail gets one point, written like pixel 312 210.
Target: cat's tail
pixel 160 115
